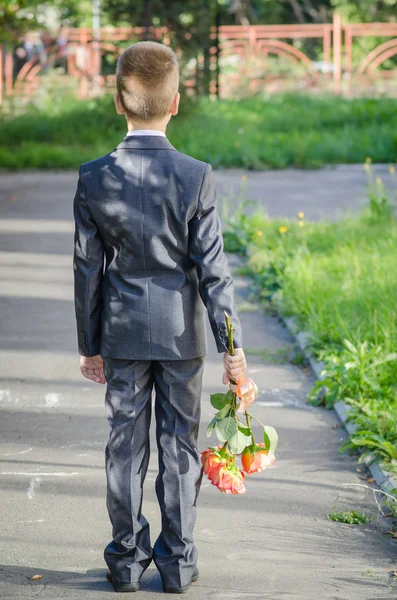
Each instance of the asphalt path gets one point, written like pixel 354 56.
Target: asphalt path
pixel 275 542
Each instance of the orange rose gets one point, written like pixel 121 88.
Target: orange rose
pixel 268 459
pixel 209 459
pixel 247 391
pixel 227 480
pixel 243 386
pixel 253 462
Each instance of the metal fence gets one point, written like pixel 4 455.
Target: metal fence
pixel 239 60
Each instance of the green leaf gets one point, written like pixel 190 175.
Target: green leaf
pixel 229 396
pixel 270 438
pixel 239 442
pixel 223 413
pixel 210 427
pixel 372 382
pixel 266 440
pixel 218 401
pixel 346 446
pixel 226 428
pixel 385 359
pixel 244 430
pixel 350 347
pixel 351 365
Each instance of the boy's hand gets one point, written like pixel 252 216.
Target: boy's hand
pixel 234 366
pixel 92 368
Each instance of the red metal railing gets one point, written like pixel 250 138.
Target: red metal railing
pixel 366 68
pixel 242 59
pixel 255 45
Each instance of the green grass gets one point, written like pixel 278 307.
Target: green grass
pixel 255 133
pixel 350 517
pixel 339 281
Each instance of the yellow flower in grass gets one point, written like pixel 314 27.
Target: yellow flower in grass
pixel 283 229
pixel 378 181
pixel 392 170
pixel 367 164
pixel 259 233
pixel 301 215
pixel 301 223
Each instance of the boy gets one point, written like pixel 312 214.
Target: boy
pixel 148 245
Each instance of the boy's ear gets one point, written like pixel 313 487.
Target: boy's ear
pixel 118 105
pixel 175 104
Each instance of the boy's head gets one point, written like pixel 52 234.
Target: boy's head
pixel 147 83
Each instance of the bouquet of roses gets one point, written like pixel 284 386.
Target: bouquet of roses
pixel 237 439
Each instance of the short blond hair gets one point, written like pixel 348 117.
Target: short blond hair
pixel 147 78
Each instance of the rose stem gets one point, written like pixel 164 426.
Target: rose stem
pixel 231 346
pixel 248 418
pixel 254 417
pixel 229 327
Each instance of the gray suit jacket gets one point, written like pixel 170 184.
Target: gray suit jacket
pixel 148 245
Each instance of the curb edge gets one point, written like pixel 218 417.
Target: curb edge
pixel 384 479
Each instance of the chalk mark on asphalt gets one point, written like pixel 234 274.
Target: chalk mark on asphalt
pixel 39 474
pixel 16 452
pixel 83 443
pixel 29 522
pixel 5 396
pixel 287 398
pixel 52 399
pixel 33 486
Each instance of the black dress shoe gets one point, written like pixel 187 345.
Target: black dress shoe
pixel 120 586
pixel 183 589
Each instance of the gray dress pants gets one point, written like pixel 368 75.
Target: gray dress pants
pixel 177 386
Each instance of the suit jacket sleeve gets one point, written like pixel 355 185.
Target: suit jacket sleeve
pixel 206 251
pixel 88 273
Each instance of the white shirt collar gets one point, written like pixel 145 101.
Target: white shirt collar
pixel 146 132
